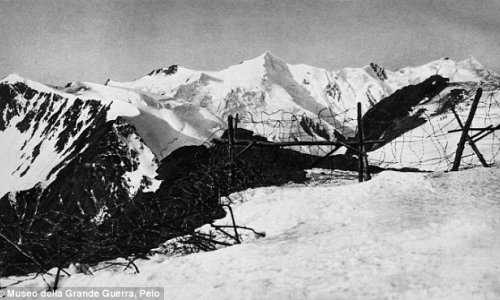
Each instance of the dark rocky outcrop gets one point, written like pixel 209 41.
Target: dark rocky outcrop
pixel 166 71
pixel 379 71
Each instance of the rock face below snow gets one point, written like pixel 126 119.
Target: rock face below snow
pixel 67 148
pixel 91 178
pixel 40 128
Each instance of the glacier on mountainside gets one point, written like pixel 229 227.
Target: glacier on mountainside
pixel 286 102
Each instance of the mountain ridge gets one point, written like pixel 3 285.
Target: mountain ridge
pixel 187 107
pixel 173 69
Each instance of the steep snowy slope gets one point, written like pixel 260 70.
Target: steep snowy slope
pixel 43 129
pixel 42 124
pixel 399 236
pixel 67 153
pixel 163 124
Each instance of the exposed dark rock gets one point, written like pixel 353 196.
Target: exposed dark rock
pixel 8 106
pixel 333 91
pixel 166 71
pixel 25 123
pixel 69 118
pixel 379 71
pixel 36 152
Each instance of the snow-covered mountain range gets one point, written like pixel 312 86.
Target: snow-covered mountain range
pixel 103 142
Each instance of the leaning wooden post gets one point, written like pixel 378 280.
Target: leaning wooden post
pixel 470 139
pixel 360 145
pixel 465 132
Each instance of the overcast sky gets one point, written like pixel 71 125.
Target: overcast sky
pixel 57 41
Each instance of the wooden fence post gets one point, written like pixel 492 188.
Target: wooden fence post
pixel 230 133
pixel 465 132
pixel 230 129
pixel 364 173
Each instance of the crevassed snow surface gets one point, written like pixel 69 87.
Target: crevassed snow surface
pixel 401 235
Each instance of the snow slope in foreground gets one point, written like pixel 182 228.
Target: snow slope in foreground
pixel 401 235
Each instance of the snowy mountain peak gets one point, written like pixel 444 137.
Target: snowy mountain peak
pixel 269 56
pixel 12 78
pixel 468 70
pixel 469 63
pixel 262 57
pixel 472 63
pixel 258 64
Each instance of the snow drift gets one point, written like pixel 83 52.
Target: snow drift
pixel 399 236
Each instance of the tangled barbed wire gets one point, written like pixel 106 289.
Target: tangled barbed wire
pixel 429 146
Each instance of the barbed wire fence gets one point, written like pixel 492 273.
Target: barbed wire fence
pixel 316 138
pixel 433 145
pixel 287 127
pixel 430 146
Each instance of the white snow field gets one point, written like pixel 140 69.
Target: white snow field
pixel 398 236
